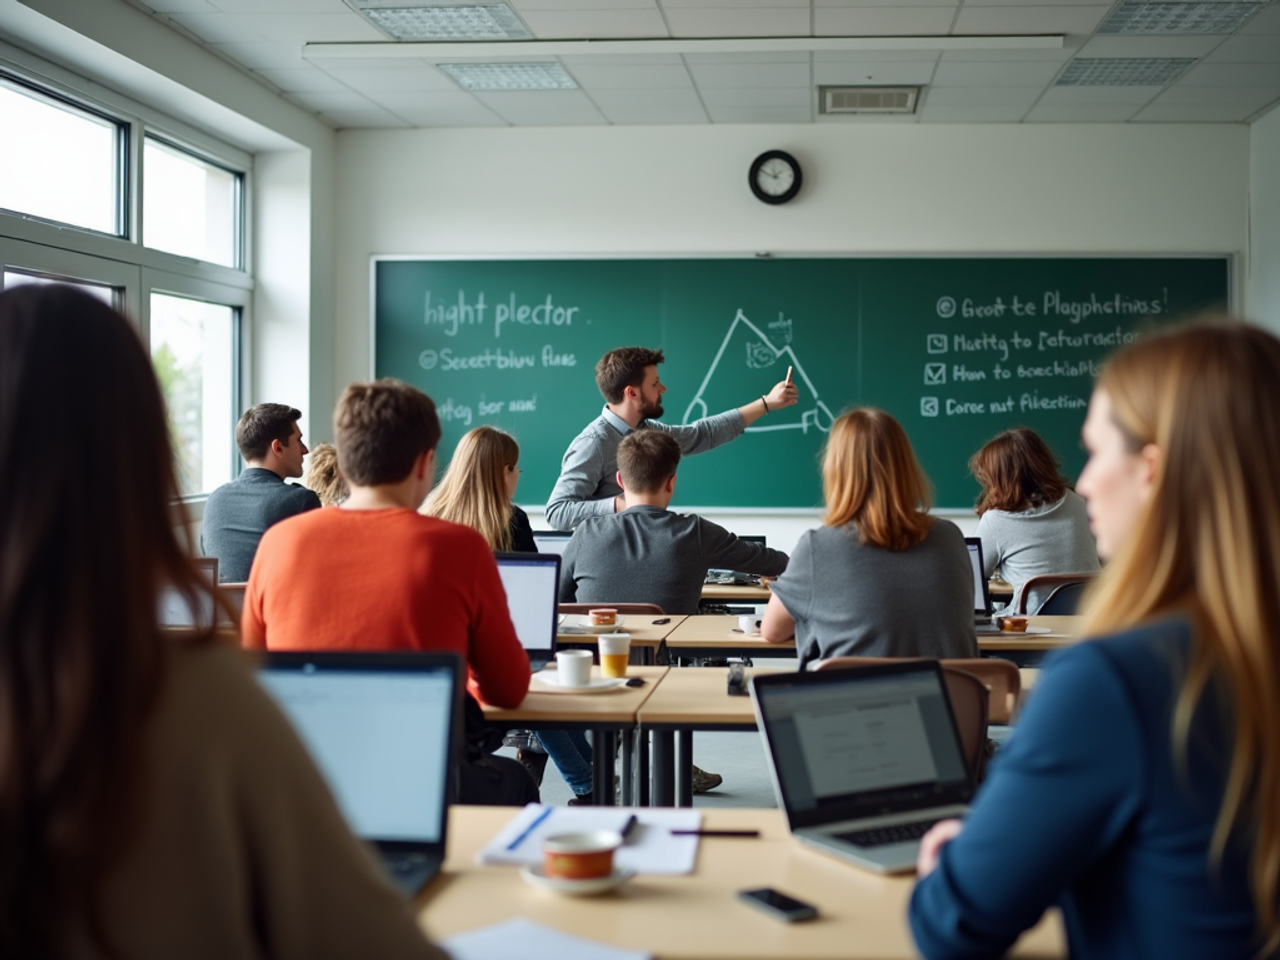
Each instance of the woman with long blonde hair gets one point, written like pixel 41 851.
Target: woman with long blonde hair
pixel 1141 793
pixel 477 490
pixel 881 577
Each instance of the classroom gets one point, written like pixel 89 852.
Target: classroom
pixel 349 164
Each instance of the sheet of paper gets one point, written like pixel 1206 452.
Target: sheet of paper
pixel 650 849
pixel 531 941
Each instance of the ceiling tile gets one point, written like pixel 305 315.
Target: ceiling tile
pixel 873 74
pixel 277 6
pixel 882 21
pixel 980 96
pixel 1195 112
pixel 791 97
pixel 669 5
pixel 1029 19
pixel 727 22
pixel 306 79
pixel 631 60
pixel 760 114
pixel 972 113
pixel 1014 74
pixel 298 28
pixel 260 56
pixel 347 101
pixel 1256 97
pixel 777 56
pixel 628 77
pixel 1099 94
pixel 531 6
pixel 657 106
pixel 1232 75
pixel 1112 45
pixel 874 56
pixel 543 108
pixel 595 24
pixel 218 27
pixel 1069 48
pixel 364 119
pixel 952 4
pixel 1266 23
pixel 456 109
pixel 1242 49
pixel 1081 113
pixel 1030 3
pixel 162 7
pixel 746 76
pixel 392 78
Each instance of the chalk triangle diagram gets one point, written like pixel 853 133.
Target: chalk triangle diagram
pixel 759 352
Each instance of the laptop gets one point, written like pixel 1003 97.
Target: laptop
pixel 735 577
pixel 532 583
pixel 981 590
pixel 383 729
pixel 551 541
pixel 863 760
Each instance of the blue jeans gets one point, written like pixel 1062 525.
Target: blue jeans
pixel 570 752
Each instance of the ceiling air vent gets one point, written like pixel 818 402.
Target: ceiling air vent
pixel 850 100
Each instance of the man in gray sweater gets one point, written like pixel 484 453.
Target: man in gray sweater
pixel 628 378
pixel 647 553
pixel 238 513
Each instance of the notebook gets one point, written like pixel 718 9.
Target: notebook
pixel 382 728
pixel 551 541
pixel 863 760
pixel 981 591
pixel 532 583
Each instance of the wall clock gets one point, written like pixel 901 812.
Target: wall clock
pixel 775 177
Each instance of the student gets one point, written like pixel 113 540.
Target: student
pixel 881 578
pixel 477 490
pixel 374 574
pixel 1030 521
pixel 1141 793
pixel 628 379
pixel 647 553
pixel 323 476
pixel 238 513
pixel 136 824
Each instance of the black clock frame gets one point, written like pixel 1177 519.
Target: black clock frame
pixel 759 162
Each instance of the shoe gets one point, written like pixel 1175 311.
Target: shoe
pixel 703 781
pixel 535 763
pixel 520 739
pixel 582 800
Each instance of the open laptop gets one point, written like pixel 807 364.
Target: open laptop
pixel 863 760
pixel 383 729
pixel 532 583
pixel 981 590
pixel 551 541
pixel 735 577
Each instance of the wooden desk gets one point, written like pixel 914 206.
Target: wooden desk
pixel 689 699
pixel 602 713
pixel 1066 631
pixel 644 632
pixel 713 636
pixel 735 593
pixel 862 916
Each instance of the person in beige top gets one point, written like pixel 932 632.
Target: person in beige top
pixel 153 802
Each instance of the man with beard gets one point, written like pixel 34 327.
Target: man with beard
pixel 628 379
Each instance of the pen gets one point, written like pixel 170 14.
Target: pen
pixel 715 833
pixel 629 828
pixel 661 620
pixel 524 834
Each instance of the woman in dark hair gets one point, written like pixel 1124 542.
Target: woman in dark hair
pixel 153 802
pixel 1030 521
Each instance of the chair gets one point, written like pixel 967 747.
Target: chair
pixel 622 608
pixel 1053 582
pixel 969 703
pixel 233 594
pixel 1063 601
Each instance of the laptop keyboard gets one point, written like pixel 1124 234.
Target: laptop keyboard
pixel 893 833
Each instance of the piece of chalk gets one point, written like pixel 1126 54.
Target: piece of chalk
pixel 788 374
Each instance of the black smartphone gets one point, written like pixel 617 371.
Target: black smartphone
pixel 778 905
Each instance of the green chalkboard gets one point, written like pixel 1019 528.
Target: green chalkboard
pixel 957 349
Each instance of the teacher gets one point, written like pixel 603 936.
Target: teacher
pixel 628 379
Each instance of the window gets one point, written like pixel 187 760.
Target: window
pixel 108 295
pixel 193 349
pixel 60 162
pixel 190 206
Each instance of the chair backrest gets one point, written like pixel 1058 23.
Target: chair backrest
pixel 1050 583
pixel 623 608
pixel 969 703
pixel 1064 600
pixel 233 593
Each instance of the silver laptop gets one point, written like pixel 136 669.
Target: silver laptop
pixel 551 541
pixel 383 728
pixel 532 583
pixel 981 589
pixel 864 760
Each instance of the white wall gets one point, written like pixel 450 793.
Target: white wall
pixel 1262 301
pixel 890 189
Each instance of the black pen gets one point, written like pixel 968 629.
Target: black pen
pixel 715 833
pixel 662 620
pixel 629 828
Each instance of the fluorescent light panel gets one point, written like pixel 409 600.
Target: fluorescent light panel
pixel 488 21
pixel 1193 16
pixel 509 76
pixel 1122 71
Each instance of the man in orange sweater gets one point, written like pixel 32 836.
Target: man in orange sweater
pixel 374 574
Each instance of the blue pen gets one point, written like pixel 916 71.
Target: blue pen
pixel 530 828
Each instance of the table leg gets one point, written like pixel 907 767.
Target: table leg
pixel 629 767
pixel 684 768
pixel 664 762
pixel 605 754
pixel 641 799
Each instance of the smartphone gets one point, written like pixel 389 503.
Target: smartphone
pixel 778 905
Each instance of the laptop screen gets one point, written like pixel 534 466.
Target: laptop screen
pixel 532 583
pixel 551 541
pixel 981 595
pixel 380 727
pixel 858 742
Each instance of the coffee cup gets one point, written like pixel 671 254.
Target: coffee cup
pixel 749 623
pixel 584 855
pixel 574 667
pixel 615 651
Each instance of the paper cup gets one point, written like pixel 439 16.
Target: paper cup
pixel 749 623
pixel 586 855
pixel 574 667
pixel 615 651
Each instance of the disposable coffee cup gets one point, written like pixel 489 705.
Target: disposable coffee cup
pixel 615 651
pixel 749 623
pixel 574 667
pixel 586 855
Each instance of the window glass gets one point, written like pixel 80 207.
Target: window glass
pixel 193 350
pixel 58 162
pixel 14 278
pixel 189 206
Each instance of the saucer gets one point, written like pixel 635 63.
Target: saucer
pixel 549 682
pixel 584 623
pixel 537 876
pixel 1029 632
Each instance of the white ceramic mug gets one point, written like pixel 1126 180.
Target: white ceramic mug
pixel 574 667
